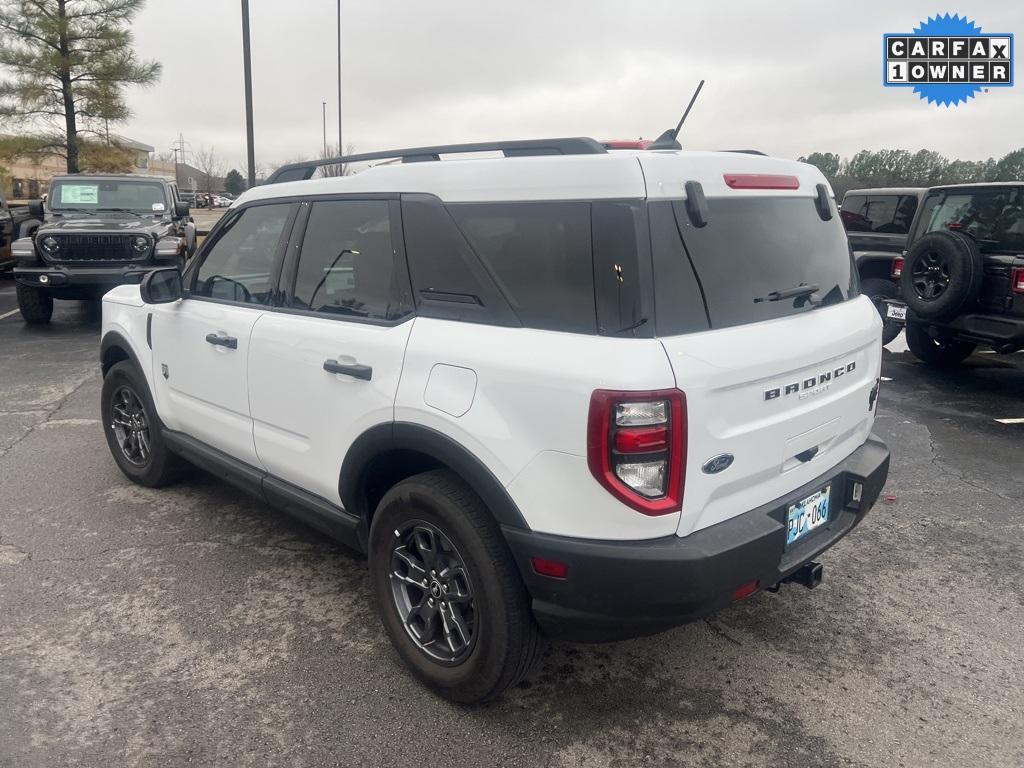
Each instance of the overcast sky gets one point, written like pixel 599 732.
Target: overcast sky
pixel 784 77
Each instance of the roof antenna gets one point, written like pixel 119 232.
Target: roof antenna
pixel 668 140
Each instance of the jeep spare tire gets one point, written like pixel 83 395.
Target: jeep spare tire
pixel 942 274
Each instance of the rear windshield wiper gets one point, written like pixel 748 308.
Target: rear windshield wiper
pixel 804 289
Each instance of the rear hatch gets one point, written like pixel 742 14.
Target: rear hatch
pixel 781 384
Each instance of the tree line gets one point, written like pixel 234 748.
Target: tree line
pixel 903 168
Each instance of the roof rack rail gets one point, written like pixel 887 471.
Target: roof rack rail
pixel 524 148
pixel 746 151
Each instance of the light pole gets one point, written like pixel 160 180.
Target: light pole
pixel 247 67
pixel 341 147
pixel 325 127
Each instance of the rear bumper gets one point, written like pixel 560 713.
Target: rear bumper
pixel 617 590
pixel 995 330
pixel 65 277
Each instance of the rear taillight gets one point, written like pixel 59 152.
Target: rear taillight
pixel 897 267
pixel 636 447
pixel 1017 279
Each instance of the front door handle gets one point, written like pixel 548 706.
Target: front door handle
pixel 222 341
pixel 355 370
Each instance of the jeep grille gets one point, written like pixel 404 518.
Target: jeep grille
pixel 77 248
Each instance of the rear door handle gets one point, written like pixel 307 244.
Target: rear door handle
pixel 355 370
pixel 222 341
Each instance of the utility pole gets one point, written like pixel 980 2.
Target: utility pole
pixel 341 147
pixel 247 67
pixel 325 128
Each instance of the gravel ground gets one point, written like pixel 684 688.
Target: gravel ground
pixel 194 626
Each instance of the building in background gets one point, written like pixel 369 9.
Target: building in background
pixel 28 178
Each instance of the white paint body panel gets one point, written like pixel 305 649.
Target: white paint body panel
pixel 206 392
pixel 305 418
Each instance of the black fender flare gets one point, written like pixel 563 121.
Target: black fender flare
pixel 430 442
pixel 113 340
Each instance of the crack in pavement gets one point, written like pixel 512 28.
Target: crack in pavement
pixel 49 413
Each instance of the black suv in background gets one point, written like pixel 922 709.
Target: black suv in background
pixel 963 273
pixel 877 223
pixel 102 231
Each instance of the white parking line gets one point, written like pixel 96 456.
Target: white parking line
pixel 8 314
pixel 1010 421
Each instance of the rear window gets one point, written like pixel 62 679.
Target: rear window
pixel 993 217
pixel 882 214
pixel 751 250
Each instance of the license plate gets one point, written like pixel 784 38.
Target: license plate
pixel 808 514
pixel 896 311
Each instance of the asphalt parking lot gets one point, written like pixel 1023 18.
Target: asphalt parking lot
pixel 192 625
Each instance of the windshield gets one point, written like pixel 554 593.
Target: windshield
pixel 107 195
pixel 994 217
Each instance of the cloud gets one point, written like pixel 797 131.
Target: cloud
pixel 786 77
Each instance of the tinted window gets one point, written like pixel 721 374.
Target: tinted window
pixel 347 265
pixel 239 267
pixel 884 214
pixel 540 256
pixel 677 294
pixel 619 272
pixel 448 279
pixel 993 217
pixel 754 247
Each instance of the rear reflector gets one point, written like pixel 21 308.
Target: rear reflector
pixel 1017 279
pixel 551 568
pixel 897 267
pixel 761 181
pixel 746 590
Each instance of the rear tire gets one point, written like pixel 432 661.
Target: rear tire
pixel 133 429
pixel 493 641
pixel 937 352
pixel 36 306
pixel 878 291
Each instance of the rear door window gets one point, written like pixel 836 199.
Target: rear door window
pixel 753 248
pixel 539 254
pixel 881 214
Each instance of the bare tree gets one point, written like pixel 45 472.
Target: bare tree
pixel 210 166
pixel 343 169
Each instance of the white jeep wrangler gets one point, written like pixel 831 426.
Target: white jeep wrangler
pixel 565 391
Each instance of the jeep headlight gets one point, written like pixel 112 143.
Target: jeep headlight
pixel 49 245
pixel 140 243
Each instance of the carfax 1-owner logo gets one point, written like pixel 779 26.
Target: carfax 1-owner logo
pixel 948 59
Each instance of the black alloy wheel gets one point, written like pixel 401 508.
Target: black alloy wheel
pixel 432 592
pixel 930 275
pixel 130 426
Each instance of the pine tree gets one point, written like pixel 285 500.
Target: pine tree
pixel 68 63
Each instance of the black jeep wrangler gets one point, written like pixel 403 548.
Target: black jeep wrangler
pixel 101 231
pixel 963 273
pixel 877 223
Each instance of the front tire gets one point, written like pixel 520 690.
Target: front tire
pixel 36 306
pixel 447 590
pixel 937 352
pixel 132 429
pixel 878 291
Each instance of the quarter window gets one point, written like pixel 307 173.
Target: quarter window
pixel 347 264
pixel 239 266
pixel 540 256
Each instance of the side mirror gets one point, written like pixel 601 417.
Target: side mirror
pixel 35 209
pixel 180 210
pixel 162 286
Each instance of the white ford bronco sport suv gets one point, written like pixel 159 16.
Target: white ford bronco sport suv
pixel 562 391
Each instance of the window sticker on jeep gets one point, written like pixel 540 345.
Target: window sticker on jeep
pixel 947 60
pixel 79 194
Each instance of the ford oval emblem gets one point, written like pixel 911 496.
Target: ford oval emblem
pixel 718 463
